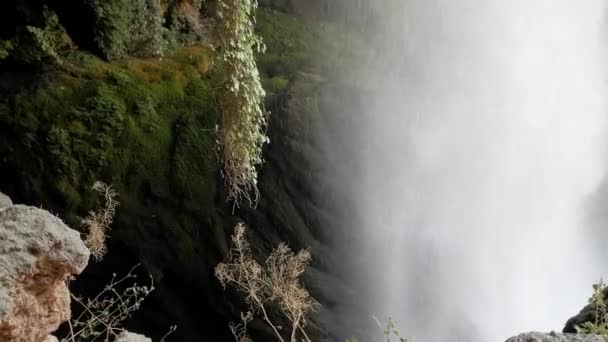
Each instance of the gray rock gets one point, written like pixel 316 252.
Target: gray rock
pixel 555 337
pixel 5 201
pixel 126 336
pixel 38 252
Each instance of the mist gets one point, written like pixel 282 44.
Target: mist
pixel 476 154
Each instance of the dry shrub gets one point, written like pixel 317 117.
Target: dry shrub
pixel 98 222
pixel 276 283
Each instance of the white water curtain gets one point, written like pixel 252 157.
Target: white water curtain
pixel 479 149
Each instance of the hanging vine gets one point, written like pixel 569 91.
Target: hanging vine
pixel 242 130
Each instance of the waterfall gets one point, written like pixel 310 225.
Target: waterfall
pixel 481 139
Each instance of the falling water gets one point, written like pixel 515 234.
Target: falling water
pixel 477 151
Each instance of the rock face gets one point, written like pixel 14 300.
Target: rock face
pixel 126 336
pixel 554 337
pixel 38 252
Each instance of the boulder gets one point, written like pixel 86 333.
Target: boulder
pixel 587 314
pixel 555 337
pixel 38 253
pixel 5 201
pixel 126 336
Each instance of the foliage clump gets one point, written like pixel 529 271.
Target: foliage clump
pixel 109 25
pixel 599 325
pixel 275 283
pixel 242 131
pixel 146 35
pixel 186 23
pixel 37 42
pixel 140 28
pixel 132 27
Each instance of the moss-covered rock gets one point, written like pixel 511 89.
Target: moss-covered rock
pixel 145 126
pixel 119 122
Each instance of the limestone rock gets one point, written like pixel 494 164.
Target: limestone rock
pixel 5 201
pixel 38 252
pixel 126 336
pixel 555 337
pixel 51 338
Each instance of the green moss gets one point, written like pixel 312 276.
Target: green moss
pixel 141 125
pixel 195 136
pixel 290 43
pixel 37 43
pixel 110 24
pixel 294 44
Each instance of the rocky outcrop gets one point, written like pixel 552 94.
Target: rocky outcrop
pixel 554 337
pixel 38 252
pixel 126 336
pixel 587 314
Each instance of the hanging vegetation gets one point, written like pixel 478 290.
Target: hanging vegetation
pixel 242 129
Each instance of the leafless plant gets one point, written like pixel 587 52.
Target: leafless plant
pixel 102 316
pixel 276 283
pixel 98 222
